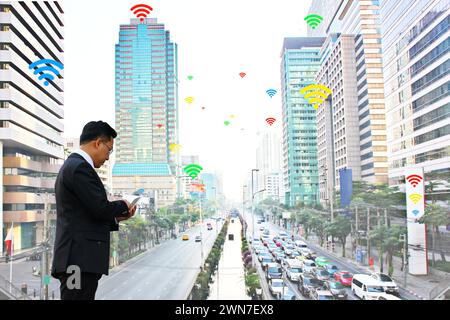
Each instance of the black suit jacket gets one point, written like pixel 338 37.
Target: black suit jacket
pixel 84 220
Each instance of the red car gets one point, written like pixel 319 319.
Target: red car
pixel 344 277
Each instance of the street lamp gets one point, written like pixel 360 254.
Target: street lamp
pixel 329 190
pixel 45 244
pixel 253 219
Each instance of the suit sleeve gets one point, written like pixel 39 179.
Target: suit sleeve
pixel 92 194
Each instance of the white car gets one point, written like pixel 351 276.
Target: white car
pixel 388 283
pixel 308 266
pixel 388 296
pixel 300 244
pixel 276 286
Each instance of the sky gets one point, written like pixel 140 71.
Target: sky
pixel 216 41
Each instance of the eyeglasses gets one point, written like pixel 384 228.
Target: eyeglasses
pixel 110 149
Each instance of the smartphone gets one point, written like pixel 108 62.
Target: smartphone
pixel 135 201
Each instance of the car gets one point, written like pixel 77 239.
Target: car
pixel 320 294
pixel 185 237
pixel 307 282
pixel 276 286
pixel 389 285
pixel 273 271
pixel 321 274
pixel 293 269
pixel 261 251
pixel 344 277
pixel 388 296
pixel 300 244
pixel 263 255
pixel 209 225
pixel 332 269
pixel 321 261
pixel 283 235
pixel 279 256
pixel 294 254
pixel 336 289
pixel 261 228
pixel 265 261
pixel 272 247
pixel 287 294
pixel 198 238
pixel 308 265
pixel 367 288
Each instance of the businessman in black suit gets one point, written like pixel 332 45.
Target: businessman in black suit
pixel 85 217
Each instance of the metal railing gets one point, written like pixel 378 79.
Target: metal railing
pixel 12 291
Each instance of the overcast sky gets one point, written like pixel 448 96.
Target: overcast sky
pixel 216 41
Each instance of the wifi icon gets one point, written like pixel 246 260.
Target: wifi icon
pixel 414 179
pixel 271 121
pixel 192 170
pixel 415 197
pixel 189 100
pixel 313 20
pixel 271 92
pixel 315 94
pixel 141 11
pixel 415 212
pixel 48 76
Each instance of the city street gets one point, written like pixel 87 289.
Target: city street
pixel 166 272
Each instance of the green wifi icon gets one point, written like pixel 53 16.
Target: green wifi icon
pixel 192 170
pixel 313 20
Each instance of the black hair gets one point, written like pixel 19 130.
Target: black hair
pixel 97 129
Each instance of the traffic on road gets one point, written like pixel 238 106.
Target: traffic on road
pixel 292 269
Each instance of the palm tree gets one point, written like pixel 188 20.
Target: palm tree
pixel 435 216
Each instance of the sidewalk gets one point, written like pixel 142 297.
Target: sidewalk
pixel 423 287
pixel 229 282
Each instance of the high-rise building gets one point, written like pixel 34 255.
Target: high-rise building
pixel 300 63
pixel 416 77
pixel 268 161
pixel 146 104
pixel 337 119
pixel 361 19
pixel 31 114
pixel 327 9
pixel 104 172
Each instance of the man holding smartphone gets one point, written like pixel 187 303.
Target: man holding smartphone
pixel 85 217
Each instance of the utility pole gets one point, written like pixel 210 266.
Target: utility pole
pixel 368 238
pixel 45 246
pixel 357 226
pixel 403 238
pixel 201 236
pixel 253 218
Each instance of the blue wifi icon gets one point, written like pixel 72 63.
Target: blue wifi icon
pixel 271 92
pixel 46 69
pixel 415 212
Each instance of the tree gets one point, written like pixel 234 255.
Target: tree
pixel 435 216
pixel 387 239
pixel 304 218
pixel 339 228
pixel 317 224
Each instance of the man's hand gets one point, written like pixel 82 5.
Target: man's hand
pixel 130 214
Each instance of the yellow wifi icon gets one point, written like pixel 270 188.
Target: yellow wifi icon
pixel 415 197
pixel 316 94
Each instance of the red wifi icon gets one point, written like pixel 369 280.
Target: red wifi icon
pixel 414 179
pixel 270 121
pixel 141 11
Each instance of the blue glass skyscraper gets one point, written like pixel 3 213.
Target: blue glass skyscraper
pixel 146 94
pixel 300 63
